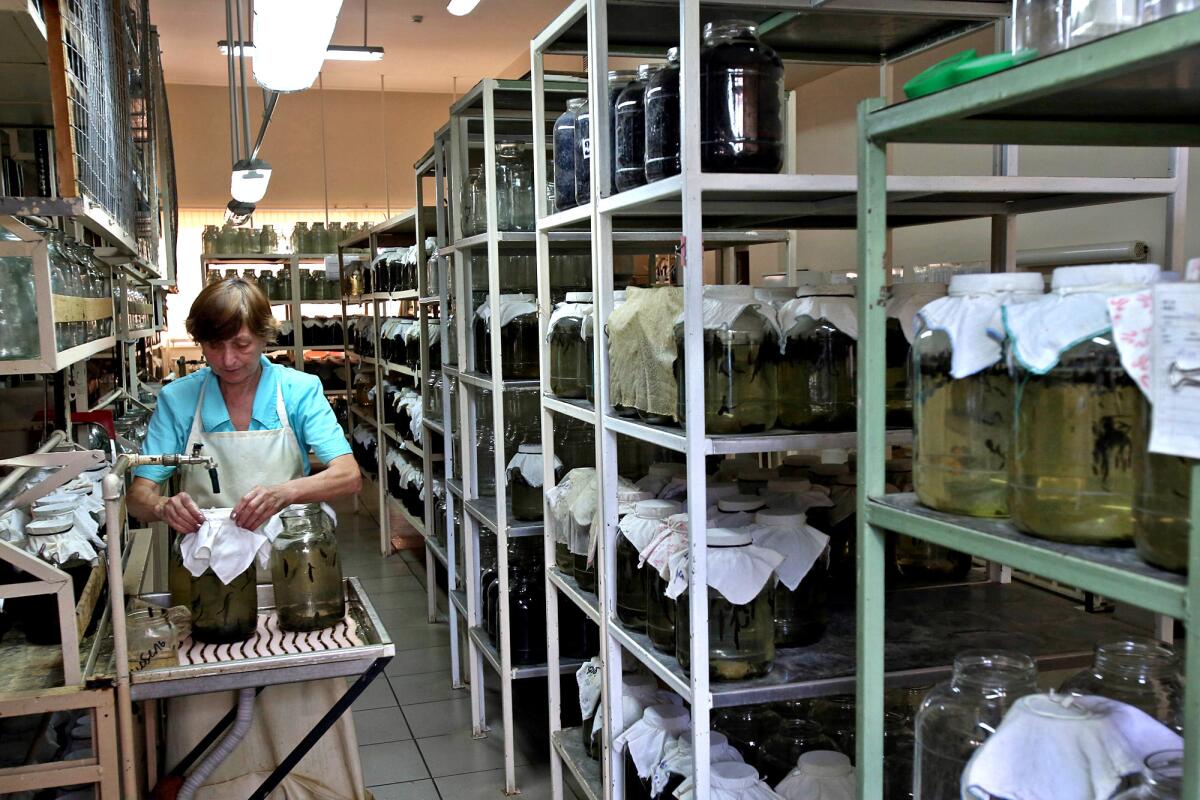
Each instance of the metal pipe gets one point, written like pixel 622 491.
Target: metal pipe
pixel 242 71
pixel 235 151
pixel 269 101
pixel 10 480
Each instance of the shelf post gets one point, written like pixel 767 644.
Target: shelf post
pixel 1191 697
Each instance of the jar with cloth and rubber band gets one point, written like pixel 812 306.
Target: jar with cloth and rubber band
pixel 525 479
pixel 519 338
pixel 634 533
pixel 817 374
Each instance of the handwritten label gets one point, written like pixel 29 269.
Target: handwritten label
pixel 1175 428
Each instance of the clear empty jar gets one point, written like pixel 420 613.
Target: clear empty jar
pixel 635 532
pixel 564 156
pixel 574 442
pixel 1141 672
pixel 792 739
pixel 741 351
pixel 514 189
pixel 570 365
pixel 816 373
pixel 963 404
pixel 918 560
pixel 1158 9
pixel 1040 25
pixel 306 572
pixel 473 204
pixel 741 635
pixel 525 481
pixel 519 339
pixel 741 100
pixel 1095 19
pixel 662 120
pixel 1162 778
pixel 629 119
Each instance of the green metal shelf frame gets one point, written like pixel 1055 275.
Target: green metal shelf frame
pixel 1049 101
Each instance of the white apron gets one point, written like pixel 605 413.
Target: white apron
pixel 282 714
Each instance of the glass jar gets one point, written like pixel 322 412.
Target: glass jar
pixel 223 613
pixel 564 156
pixel 268 239
pixel 485 446
pixel 519 337
pixel 574 443
pixel 154 635
pixel 959 715
pixel 629 121
pixel 918 560
pixel 1162 493
pixel 661 610
pixel 210 239
pixel 740 355
pixel 18 324
pixel 570 367
pixel 634 533
pixel 741 637
pixel 801 614
pixel 662 120
pixel 525 483
pixel 514 189
pixel 526 602
pixel 305 571
pixel 584 572
pixel 227 240
pixel 741 100
pixel 583 153
pixel 748 728
pixel 473 208
pixel 817 376
pixel 1141 672
pixel 792 739
pixel 1159 9
pixel 1095 19
pixel 1162 778
pixel 1040 25
pixel 907 299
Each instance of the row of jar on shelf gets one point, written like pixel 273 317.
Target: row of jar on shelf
pixel 276 284
pixel 306 238
pixel 394 269
pixel 316 332
pixel 1109 734
pixel 399 340
pixel 403 408
pixel 1048 26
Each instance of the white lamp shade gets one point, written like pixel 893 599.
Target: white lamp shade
pixel 460 8
pixel 248 183
pixel 290 40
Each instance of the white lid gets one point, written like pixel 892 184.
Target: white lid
pixel 738 293
pixel 579 297
pixel 634 495
pixel 741 502
pixel 734 771
pixel 52 510
pixel 788 485
pixel 532 449
pixel 1104 276
pixel 780 518
pixel 723 537
pixel 656 509
pixel 45 527
pixel 997 283
pixel 824 763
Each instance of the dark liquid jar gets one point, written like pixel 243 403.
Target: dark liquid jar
pixel 525 483
pixel 526 603
pixel 618 80
pixel 518 340
pixel 223 613
pixel 662 120
pixel 564 156
pixel 660 612
pixel 741 101
pixel 629 117
pixel 570 365
pixel 583 154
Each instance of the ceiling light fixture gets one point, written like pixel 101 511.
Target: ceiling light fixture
pixel 460 8
pixel 291 38
pixel 335 52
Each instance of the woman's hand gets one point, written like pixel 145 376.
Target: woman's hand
pixel 260 504
pixel 180 512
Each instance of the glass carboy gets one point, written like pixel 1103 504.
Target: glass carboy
pixel 223 613
pixel 635 532
pixel 583 153
pixel 741 100
pixel 1071 474
pixel 816 373
pixel 1040 25
pixel 525 481
pixel 1162 778
pixel 962 395
pixel 514 189
pixel 959 715
pixel 1141 672
pixel 570 366
pixel 629 119
pixel 662 120
pixel 306 572
pixel 518 337
pixel 801 610
pixel 660 607
pixel 564 156
pixel 741 350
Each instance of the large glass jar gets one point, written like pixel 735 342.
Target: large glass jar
pixel 907 299
pixel 918 560
pixel 1095 19
pixel 570 367
pixel 1040 25
pixel 629 119
pixel 741 351
pixel 526 602
pixel 748 728
pixel 306 572
pixel 959 715
pixel 634 533
pixel 518 337
pixel 618 81
pixel 661 610
pixel 1162 493
pixel 662 120
pixel 963 409
pixel 525 482
pixel 18 325
pixel 514 189
pixel 741 100
pixel 817 377
pixel 224 613
pixel 1141 672
pixel 485 445
pixel 1162 778
pixel 473 206
pixel 574 443
pixel 801 614
pixel 564 156
pixel 210 239
pixel 583 153
pixel 741 636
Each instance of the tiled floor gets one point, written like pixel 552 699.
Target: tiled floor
pixel 414 731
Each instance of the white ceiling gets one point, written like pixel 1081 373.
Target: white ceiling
pixel 421 57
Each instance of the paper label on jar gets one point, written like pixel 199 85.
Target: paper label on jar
pixel 1175 424
pixel 331 268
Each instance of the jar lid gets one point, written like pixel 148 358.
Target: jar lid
pixel 579 297
pixel 46 527
pixel 50 510
pixel 618 74
pixel 997 283
pixel 789 484
pixel 724 537
pixel 530 449
pixel 1102 277
pixel 780 518
pixel 633 495
pixel 825 763
pixel 741 502
pixel 656 509
pixel 735 774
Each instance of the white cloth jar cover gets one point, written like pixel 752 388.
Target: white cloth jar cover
pixel 834 304
pixel 1063 747
pixel 529 462
pixel 730 780
pixel 789 535
pixel 558 500
pixel 909 298
pixel 58 540
pixel 795 493
pixel 970 316
pixel 590 680
pixel 511 307
pixel 1075 310
pixel 647 738
pixel 677 758
pixel 737 569
pixel 641 350
pixel 820 775
pixel 578 305
pixel 671 538
pixel 628 496
pixel 648 519
pixel 639 692
pixel 723 305
pixel 663 480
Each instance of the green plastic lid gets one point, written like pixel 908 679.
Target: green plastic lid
pixel 961 68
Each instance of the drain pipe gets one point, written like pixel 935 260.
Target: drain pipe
pixel 241 726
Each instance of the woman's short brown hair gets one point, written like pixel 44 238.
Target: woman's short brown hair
pixel 222 308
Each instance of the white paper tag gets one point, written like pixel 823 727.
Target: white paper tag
pixel 1175 428
pixel 331 268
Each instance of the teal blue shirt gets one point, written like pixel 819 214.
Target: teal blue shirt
pixel 308 411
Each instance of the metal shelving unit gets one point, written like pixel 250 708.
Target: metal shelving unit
pixel 701 210
pixel 1095 94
